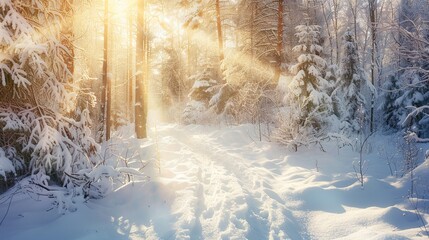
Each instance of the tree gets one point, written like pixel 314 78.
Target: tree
pixel 140 111
pixel 352 81
pixel 67 35
pixel 36 95
pixel 413 57
pixel 219 31
pixel 373 19
pixel 391 92
pixel 106 96
pixel 308 83
pixel 130 63
pixel 280 26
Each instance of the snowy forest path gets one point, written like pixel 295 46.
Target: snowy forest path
pixel 227 193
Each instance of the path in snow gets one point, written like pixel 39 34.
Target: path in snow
pixel 221 192
pixel 220 184
pixel 229 186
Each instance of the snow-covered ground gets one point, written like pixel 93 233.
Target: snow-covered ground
pixel 222 183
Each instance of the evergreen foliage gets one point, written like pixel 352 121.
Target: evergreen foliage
pixel 388 106
pixel 350 85
pixel 308 85
pixel 37 95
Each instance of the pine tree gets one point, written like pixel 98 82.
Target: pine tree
pixel 351 83
pixel 307 87
pixel 306 120
pixel 415 95
pixel 202 91
pixel 413 58
pixel 37 94
pixel 392 92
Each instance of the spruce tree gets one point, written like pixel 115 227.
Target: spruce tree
pixel 391 93
pixel 37 95
pixel 308 85
pixel 413 59
pixel 349 92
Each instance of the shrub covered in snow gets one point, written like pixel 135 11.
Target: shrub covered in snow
pixel 202 91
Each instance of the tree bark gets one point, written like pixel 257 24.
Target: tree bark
pixel 140 113
pixel 372 5
pixel 328 32
pixel 130 65
pixel 105 97
pixel 67 34
pixel 335 4
pixel 280 25
pixel 219 31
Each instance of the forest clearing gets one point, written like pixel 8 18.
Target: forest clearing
pixel 214 119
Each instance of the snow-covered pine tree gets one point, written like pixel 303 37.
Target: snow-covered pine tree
pixel 36 92
pixel 331 75
pixel 309 105
pixel 173 86
pixel 414 95
pixel 391 92
pixel 351 82
pixel 308 85
pixel 202 91
pixel 413 74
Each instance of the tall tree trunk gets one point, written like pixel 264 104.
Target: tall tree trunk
pixel 253 8
pixel 130 64
pixel 372 5
pixel 67 34
pixel 279 40
pixel 354 9
pixel 335 4
pixel 219 31
pixel 146 65
pixel 328 31
pixel 140 113
pixel 105 97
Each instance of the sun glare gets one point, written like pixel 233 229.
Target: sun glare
pixel 166 26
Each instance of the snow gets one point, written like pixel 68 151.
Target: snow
pixel 201 84
pixel 6 165
pixel 220 183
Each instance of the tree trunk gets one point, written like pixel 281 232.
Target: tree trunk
pixel 67 35
pixel 372 4
pixel 219 31
pixel 253 8
pixel 279 41
pixel 105 97
pixel 335 4
pixel 328 32
pixel 140 113
pixel 146 66
pixel 130 65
